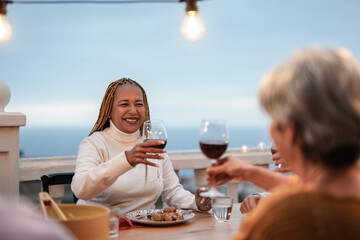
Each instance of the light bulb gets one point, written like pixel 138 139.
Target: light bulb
pixel 5 29
pixel 192 27
pixel 244 148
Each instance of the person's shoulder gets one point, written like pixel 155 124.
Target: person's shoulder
pixel 94 139
pixel 320 213
pixel 276 205
pixel 311 196
pixel 325 201
pixel 95 135
pixel 259 224
pixel 303 214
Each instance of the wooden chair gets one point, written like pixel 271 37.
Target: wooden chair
pixel 57 179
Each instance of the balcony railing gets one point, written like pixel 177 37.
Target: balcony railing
pixel 31 169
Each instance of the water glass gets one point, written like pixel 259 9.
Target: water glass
pixel 114 223
pixel 222 207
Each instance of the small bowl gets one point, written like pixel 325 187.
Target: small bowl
pixel 90 222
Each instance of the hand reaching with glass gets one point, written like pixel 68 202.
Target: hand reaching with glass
pixel 213 140
pixel 227 169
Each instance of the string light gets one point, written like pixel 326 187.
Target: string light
pixel 244 148
pixel 192 27
pixel 5 28
pixel 261 145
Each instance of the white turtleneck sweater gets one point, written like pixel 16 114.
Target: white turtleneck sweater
pixel 103 176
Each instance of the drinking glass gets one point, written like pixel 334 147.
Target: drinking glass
pixel 114 222
pixel 222 206
pixel 213 140
pixel 274 150
pixel 154 130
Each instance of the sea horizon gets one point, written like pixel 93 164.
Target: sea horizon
pixel 64 141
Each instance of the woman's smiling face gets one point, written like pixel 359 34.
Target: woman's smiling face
pixel 128 110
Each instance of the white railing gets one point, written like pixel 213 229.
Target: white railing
pixel 33 168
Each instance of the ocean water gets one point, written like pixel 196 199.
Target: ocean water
pixel 64 141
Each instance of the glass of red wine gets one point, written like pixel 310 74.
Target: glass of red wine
pixel 154 130
pixel 213 140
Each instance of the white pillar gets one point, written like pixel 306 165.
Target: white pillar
pixel 9 145
pixel 200 178
pixel 232 188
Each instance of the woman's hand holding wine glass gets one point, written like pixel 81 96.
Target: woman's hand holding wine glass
pixel 213 140
pixel 154 130
pixel 142 152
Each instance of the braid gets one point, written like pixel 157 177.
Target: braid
pixel 103 120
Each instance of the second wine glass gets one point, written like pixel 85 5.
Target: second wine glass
pixel 154 130
pixel 213 140
pixel 274 150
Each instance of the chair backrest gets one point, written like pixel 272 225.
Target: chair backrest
pixel 57 179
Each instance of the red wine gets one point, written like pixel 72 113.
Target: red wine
pixel 213 149
pixel 273 151
pixel 161 146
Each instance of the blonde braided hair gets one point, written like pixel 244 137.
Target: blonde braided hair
pixel 103 120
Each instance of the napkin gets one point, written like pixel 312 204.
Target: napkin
pixel 127 224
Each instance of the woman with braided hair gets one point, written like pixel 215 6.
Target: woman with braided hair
pixel 113 167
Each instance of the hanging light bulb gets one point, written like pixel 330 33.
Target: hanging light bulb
pixel 5 28
pixel 192 27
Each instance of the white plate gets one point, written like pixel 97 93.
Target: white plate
pixel 134 216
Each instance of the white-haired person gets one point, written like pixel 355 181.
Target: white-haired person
pixel 313 100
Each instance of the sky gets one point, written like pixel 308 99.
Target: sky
pixel 61 58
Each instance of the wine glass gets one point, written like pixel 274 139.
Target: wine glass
pixel 154 130
pixel 213 140
pixel 274 150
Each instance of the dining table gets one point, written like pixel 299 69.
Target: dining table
pixel 202 226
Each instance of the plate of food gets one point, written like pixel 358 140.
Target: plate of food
pixel 167 216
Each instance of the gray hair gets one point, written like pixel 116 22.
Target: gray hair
pixel 319 91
